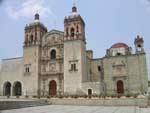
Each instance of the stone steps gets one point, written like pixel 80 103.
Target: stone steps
pixel 5 105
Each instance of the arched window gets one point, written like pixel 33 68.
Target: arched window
pixel 77 29
pixel 31 38
pixel 17 89
pixel 26 39
pixel 35 36
pixel 53 54
pixel 72 32
pixel 99 68
pixel 139 45
pixel 7 89
pixel 67 33
pixel 118 54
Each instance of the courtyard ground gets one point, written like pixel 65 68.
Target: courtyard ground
pixel 78 109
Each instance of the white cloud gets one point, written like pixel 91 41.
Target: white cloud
pixel 146 4
pixel 28 8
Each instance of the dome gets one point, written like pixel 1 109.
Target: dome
pixel 120 45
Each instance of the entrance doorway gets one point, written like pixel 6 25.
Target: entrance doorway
pixel 52 88
pixel 120 87
pixel 7 89
pixel 89 92
pixel 17 89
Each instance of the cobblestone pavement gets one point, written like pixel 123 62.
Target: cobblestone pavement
pixel 78 109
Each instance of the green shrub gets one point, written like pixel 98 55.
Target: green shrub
pixel 60 96
pixel 66 95
pixel 17 96
pixel 34 96
pixel 95 95
pixel 128 95
pixel 26 96
pixel 48 96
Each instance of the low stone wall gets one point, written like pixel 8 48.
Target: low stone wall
pixel 101 102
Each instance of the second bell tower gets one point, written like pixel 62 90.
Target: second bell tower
pixel 31 55
pixel 74 26
pixel 74 52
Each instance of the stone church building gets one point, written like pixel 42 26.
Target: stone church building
pixel 57 62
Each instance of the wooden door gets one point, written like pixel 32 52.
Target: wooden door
pixel 52 88
pixel 120 87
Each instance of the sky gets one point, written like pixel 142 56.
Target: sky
pixel 107 22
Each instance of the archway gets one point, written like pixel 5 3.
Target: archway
pixel 17 89
pixel 7 89
pixel 52 87
pixel 120 87
pixel 72 32
pixel 89 92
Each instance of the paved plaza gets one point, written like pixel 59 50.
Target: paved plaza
pixel 78 109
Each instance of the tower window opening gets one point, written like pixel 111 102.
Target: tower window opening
pixel 35 36
pixel 27 69
pixel 72 32
pixel 31 38
pixel 139 46
pixel 26 39
pixel 67 33
pixel 73 67
pixel 99 68
pixel 77 29
pixel 118 54
pixel 53 54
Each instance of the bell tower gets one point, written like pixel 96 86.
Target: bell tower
pixel 31 55
pixel 74 26
pixel 34 32
pixel 74 52
pixel 139 44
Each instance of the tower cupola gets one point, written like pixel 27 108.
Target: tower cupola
pixel 37 16
pixel 74 9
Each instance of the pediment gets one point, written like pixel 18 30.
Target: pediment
pixel 52 38
pixel 118 63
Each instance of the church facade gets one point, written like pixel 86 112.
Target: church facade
pixel 57 62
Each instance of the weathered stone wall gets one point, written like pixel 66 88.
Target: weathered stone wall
pixel 74 52
pixel 11 71
pixel 96 75
pixel 31 57
pixel 131 69
pixel 101 102
pixel 95 86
